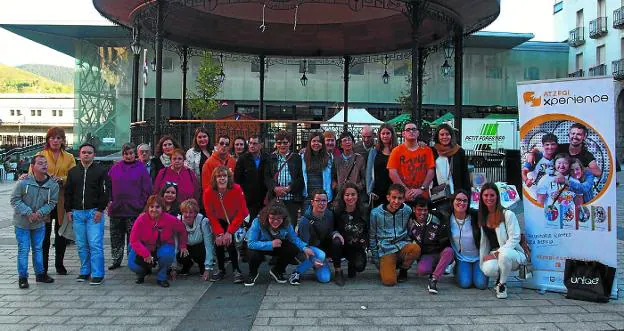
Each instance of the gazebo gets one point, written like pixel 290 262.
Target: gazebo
pixel 342 32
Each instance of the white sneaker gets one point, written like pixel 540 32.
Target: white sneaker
pixel 501 291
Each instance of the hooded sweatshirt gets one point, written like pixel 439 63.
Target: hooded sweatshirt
pixel 30 197
pixel 315 231
pixel 388 231
pixel 131 185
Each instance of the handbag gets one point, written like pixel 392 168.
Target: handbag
pixel 267 198
pixel 441 193
pixel 588 280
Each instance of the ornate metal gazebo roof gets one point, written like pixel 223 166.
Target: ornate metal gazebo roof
pixel 304 27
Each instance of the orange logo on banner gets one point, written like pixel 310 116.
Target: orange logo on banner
pixel 529 97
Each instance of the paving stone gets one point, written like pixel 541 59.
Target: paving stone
pixel 291 321
pixel 261 321
pixel 17 327
pixel 34 319
pixel 398 320
pixel 316 313
pixel 485 327
pixel 167 312
pixel 124 312
pixel 337 321
pixel 107 328
pixel 273 328
pixel 55 327
pixel 562 310
pixel 80 312
pixel 495 319
pixel 138 320
pixel 554 318
pixel 101 320
pixel 276 313
pixel 584 326
pixel 10 320
pixel 6 311
pixel 530 326
pixel 511 310
pixel 446 320
pixel 424 328
pixel 35 311
pixel 597 317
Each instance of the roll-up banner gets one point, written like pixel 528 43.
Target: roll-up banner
pixel 567 143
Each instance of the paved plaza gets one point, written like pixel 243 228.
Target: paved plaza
pixel 363 304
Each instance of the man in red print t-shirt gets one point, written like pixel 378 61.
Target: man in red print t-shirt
pixel 412 165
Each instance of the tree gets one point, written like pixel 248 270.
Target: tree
pixel 202 102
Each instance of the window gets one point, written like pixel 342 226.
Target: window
pixel 19 112
pixel 558 7
pixel 401 69
pixel 602 8
pixel 600 54
pixel 167 63
pixel 357 69
pixel 494 72
pixel 38 112
pixel 12 112
pixel 311 67
pixel 32 112
pixel 53 112
pixel 60 112
pixel 579 61
pixel 531 73
pixel 579 19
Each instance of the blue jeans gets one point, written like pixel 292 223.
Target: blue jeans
pixel 323 274
pixel 165 255
pixel 469 273
pixel 26 239
pixel 90 242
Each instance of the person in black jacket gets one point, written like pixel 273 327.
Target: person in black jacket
pixel 451 164
pixel 351 222
pixel 283 176
pixel 86 197
pixel 431 234
pixel 249 174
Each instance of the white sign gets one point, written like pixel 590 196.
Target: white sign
pixel 567 132
pixel 484 134
pixel 108 140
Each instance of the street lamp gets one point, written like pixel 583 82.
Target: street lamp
pixel 385 77
pixel 449 49
pixel 445 69
pixel 304 79
pixel 136 45
pixel 153 63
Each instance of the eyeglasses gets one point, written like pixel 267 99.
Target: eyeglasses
pixel 276 218
pixel 410 129
pixel 280 143
pixel 322 202
pixel 171 184
pixel 223 143
pixel 461 200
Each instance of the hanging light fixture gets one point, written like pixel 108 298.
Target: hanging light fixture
pixel 221 76
pixel 153 63
pixel 449 50
pixel 445 69
pixel 304 79
pixel 136 45
pixel 385 77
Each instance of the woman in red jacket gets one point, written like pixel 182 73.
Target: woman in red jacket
pixel 225 208
pixel 152 239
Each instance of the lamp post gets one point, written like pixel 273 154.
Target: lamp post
pixel 304 79
pixel 385 77
pixel 136 51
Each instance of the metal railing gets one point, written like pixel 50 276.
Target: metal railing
pixel 599 70
pixel 618 18
pixel 576 37
pixel 598 27
pixel 578 73
pixel 618 69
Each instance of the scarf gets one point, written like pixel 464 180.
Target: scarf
pixel 165 159
pixel 447 151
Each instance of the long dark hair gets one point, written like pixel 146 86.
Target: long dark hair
pixel 162 140
pixel 449 129
pixel 339 204
pixel 483 209
pixel 315 161
pixel 197 132
pixel 454 195
pixel 393 141
pixel 273 208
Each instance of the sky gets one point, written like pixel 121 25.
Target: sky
pixel 16 50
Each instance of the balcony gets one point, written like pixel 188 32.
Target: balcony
pixel 599 70
pixel 618 18
pixel 576 37
pixel 578 73
pixel 618 69
pixel 598 27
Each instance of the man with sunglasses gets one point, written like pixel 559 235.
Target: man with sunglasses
pixel 86 197
pixel 412 165
pixel 220 157
pixel 283 176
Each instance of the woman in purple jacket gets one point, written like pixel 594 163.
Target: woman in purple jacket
pixel 131 186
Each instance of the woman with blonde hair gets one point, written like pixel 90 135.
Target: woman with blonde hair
pixel 226 209
pixel 200 245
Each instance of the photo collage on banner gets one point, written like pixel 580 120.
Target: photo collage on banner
pixel 567 144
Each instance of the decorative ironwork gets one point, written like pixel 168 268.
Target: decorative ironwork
pixel 598 27
pixel 599 70
pixel 618 69
pixel 577 37
pixel 618 18
pixel 578 73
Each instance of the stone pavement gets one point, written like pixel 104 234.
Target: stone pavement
pixel 363 304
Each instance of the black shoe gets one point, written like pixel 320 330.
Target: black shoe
pixel 163 283
pixel 23 283
pixel 402 275
pixel 217 276
pixel 96 281
pixel 82 278
pixel 351 273
pixel 140 280
pixel 278 276
pixel 251 279
pixel 114 266
pixel 433 286
pixel 44 278
pixel 339 278
pixel 61 271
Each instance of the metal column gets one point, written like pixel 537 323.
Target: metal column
pixel 347 63
pixel 459 77
pixel 159 51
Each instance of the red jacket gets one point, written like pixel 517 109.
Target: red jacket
pixel 234 202
pixel 211 164
pixel 144 233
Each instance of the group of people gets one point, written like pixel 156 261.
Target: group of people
pixel 334 200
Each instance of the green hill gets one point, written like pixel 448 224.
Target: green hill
pixel 63 75
pixel 14 80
